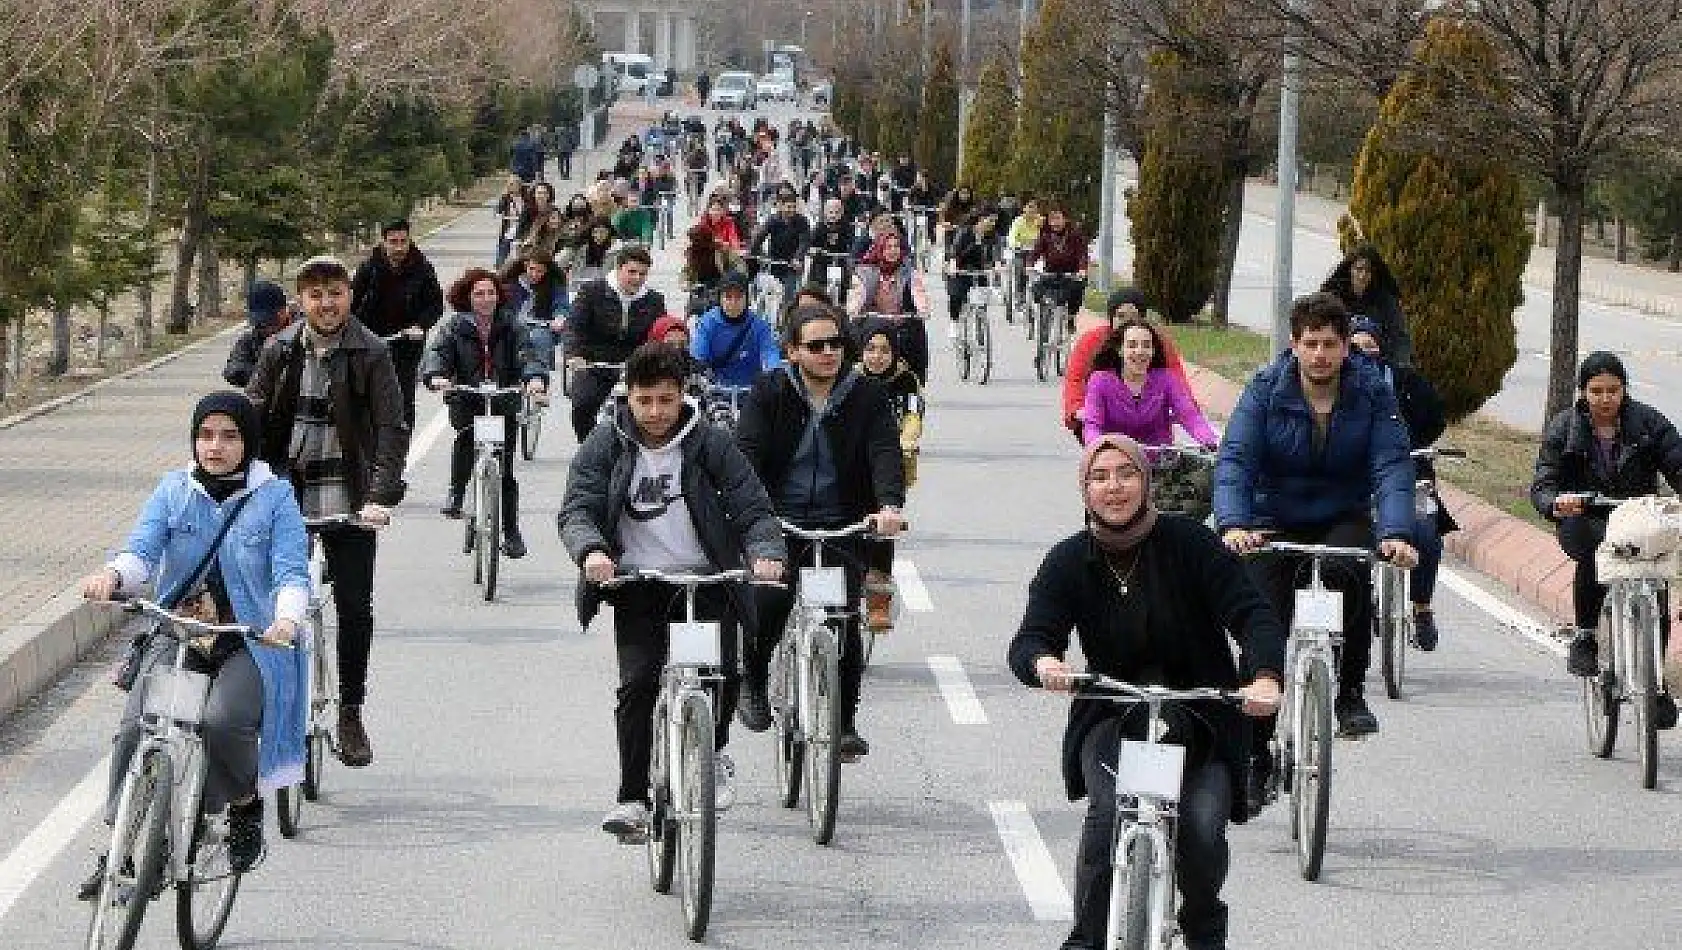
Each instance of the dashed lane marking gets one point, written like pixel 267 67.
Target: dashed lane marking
pixel 1031 860
pixel 955 687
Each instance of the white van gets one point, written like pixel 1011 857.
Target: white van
pixel 633 69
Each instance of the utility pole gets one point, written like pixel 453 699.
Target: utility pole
pixel 963 82
pixel 1106 197
pixel 1026 18
pixel 1284 219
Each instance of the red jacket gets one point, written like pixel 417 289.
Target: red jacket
pixel 724 231
pixel 1062 253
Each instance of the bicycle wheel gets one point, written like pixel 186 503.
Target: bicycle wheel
pixel 1312 791
pixel 1393 639
pixel 470 525
pixel 823 734
pixel 1059 338
pixel 315 740
pixel 791 750
pixel 1042 343
pixel 1643 622
pixel 134 865
pixel 531 429
pixel 205 899
pixel 984 347
pixel 661 842
pixel 961 345
pixel 1601 695
pixel 1132 883
pixel 698 827
pixel 490 522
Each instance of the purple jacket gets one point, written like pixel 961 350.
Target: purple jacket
pixel 1148 419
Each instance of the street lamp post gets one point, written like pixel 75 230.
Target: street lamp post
pixel 1290 100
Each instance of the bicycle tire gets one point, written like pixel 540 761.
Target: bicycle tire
pixel 867 640
pixel 470 526
pixel 531 429
pixel 566 379
pixel 790 749
pixel 1313 796
pixel 823 737
pixel 1132 882
pixel 961 345
pixel 490 520
pixel 1646 693
pixel 1060 340
pixel 1392 644
pixel 315 740
pixel 984 343
pixel 661 842
pixel 698 834
pixel 289 808
pixel 137 842
pixel 197 930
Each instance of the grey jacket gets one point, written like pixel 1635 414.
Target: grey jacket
pixel 731 510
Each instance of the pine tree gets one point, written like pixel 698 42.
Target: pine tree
pixel 1177 207
pixel 987 137
pixel 937 131
pixel 1059 141
pixel 1450 225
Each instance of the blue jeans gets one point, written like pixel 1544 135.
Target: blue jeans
pixel 543 341
pixel 1430 545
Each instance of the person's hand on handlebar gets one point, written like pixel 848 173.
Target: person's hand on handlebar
pixel 766 570
pixel 102 585
pixel 1568 506
pixel 599 568
pixel 1399 553
pixel 281 633
pixel 887 522
pixel 1055 675
pixel 1261 698
pixel 439 384
pixel 374 516
pixel 1244 541
pixel 414 333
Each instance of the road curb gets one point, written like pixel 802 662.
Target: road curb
pixel 1522 557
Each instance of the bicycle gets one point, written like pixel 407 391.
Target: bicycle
pixel 1303 754
pixel 684 816
pixel 604 415
pixel 1016 287
pixel 768 289
pixel 161 838
pixel 1391 585
pixel 482 515
pixel 1052 332
pixel 722 404
pixel 975 333
pixel 696 181
pixel 530 422
pixel 1149 774
pixel 806 684
pixel 835 273
pixel 1631 667
pixel 666 202
pixel 1182 479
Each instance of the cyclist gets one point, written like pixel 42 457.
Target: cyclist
pixel 733 343
pixel 856 204
pixel 1152 598
pixel 332 423
pixel 705 262
pixel 1125 304
pixel 635 221
pixel 824 441
pixel 510 214
pixel 886 283
pixel 1132 391
pixel 1312 448
pixel 396 292
pixel 267 313
pixel 834 234
pixel 783 237
pixel 611 316
pixel 592 257
pixel 538 300
pixel 1365 285
pixel 903 177
pixel 719 221
pixel 659 490
pixel 1062 248
pixel 976 248
pixel 1020 238
pixel 879 359
pixel 1613 445
pixel 1424 415
pixel 695 167
pixel 254 715
pixel 924 195
pixel 955 209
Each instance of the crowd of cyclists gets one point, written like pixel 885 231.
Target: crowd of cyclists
pixel 702 425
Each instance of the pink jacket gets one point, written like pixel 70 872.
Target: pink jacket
pixel 1149 417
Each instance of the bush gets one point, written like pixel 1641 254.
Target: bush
pixel 1059 143
pixel 937 132
pixel 987 137
pixel 1451 226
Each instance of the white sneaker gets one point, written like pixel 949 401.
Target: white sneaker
pixel 951 329
pixel 724 782
pixel 628 821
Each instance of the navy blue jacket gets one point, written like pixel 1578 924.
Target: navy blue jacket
pixel 1268 475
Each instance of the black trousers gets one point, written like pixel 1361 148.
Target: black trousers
pixel 350 561
pixel 775 606
pixel 641 613
pixel 462 415
pixel 590 388
pixel 1201 853
pixel 406 358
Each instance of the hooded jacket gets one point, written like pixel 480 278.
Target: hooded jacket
pixel 728 505
pixel 1647 446
pixel 736 351
pixel 606 324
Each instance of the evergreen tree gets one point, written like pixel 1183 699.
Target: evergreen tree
pixel 987 137
pixel 937 131
pixel 1450 225
pixel 1176 211
pixel 1059 141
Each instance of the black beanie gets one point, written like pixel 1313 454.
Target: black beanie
pixel 1131 295
pixel 1599 363
pixel 235 406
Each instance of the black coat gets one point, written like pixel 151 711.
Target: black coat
pixel 423 299
pixel 863 432
pixel 1648 446
pixel 1425 416
pixel 602 329
pixel 454 353
pixel 1195 591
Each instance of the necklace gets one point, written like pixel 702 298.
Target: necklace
pixel 1121 579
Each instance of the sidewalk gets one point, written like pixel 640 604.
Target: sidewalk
pixel 1604 280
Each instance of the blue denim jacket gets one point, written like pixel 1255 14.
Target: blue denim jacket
pixel 265 565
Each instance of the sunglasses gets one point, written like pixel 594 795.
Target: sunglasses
pixel 827 343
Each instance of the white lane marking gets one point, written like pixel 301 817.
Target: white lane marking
pixel 1031 859
pixel 911 587
pixel 422 444
pixel 43 845
pixel 1504 615
pixel 955 687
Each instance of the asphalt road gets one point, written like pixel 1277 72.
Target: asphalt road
pixel 1476 819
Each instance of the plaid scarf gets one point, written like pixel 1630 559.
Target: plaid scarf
pixel 318 463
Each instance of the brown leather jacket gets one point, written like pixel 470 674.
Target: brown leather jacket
pixel 367 408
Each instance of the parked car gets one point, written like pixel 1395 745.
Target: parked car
pixel 822 93
pixel 775 87
pixel 735 91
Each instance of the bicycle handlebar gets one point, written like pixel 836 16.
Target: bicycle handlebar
pixel 1433 452
pixel 839 255
pixel 337 521
pixel 1099 686
pixel 813 534
pixel 184 627
pixel 1317 550
pixel 483 389
pixel 679 579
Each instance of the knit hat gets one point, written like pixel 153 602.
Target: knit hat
pixel 264 303
pixel 733 280
pixel 664 325
pixel 1600 363
pixel 235 406
pixel 1132 295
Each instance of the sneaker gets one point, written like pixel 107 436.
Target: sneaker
pixel 89 891
pixel 452 504
pixel 245 835
pixel 754 710
pixel 628 821
pixel 1583 656
pixel 513 546
pixel 354 748
pixel 1664 711
pixel 724 782
pixel 853 747
pixel 1354 719
pixel 1425 630
pixel 878 603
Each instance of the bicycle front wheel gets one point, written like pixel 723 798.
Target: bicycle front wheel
pixel 1312 789
pixel 490 523
pixel 823 734
pixel 205 899
pixel 289 807
pixel 1060 339
pixel 531 429
pixel 134 865
pixel 791 750
pixel 1130 895
pixel 961 346
pixel 1644 623
pixel 1393 641
pixel 1042 344
pixel 698 817
pixel 984 347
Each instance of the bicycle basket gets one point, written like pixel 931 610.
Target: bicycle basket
pixel 487 429
pixel 1643 540
pixel 176 694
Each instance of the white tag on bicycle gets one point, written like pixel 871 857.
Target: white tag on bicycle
pixel 834 272
pixel 1150 768
pixel 695 644
pixel 823 586
pixel 488 429
pixel 1319 610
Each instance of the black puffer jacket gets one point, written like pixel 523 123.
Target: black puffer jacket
pixel 605 327
pixel 1648 446
pixel 455 353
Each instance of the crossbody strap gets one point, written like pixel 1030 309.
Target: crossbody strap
pixel 197 576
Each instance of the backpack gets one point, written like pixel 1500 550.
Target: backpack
pixel 1643 540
